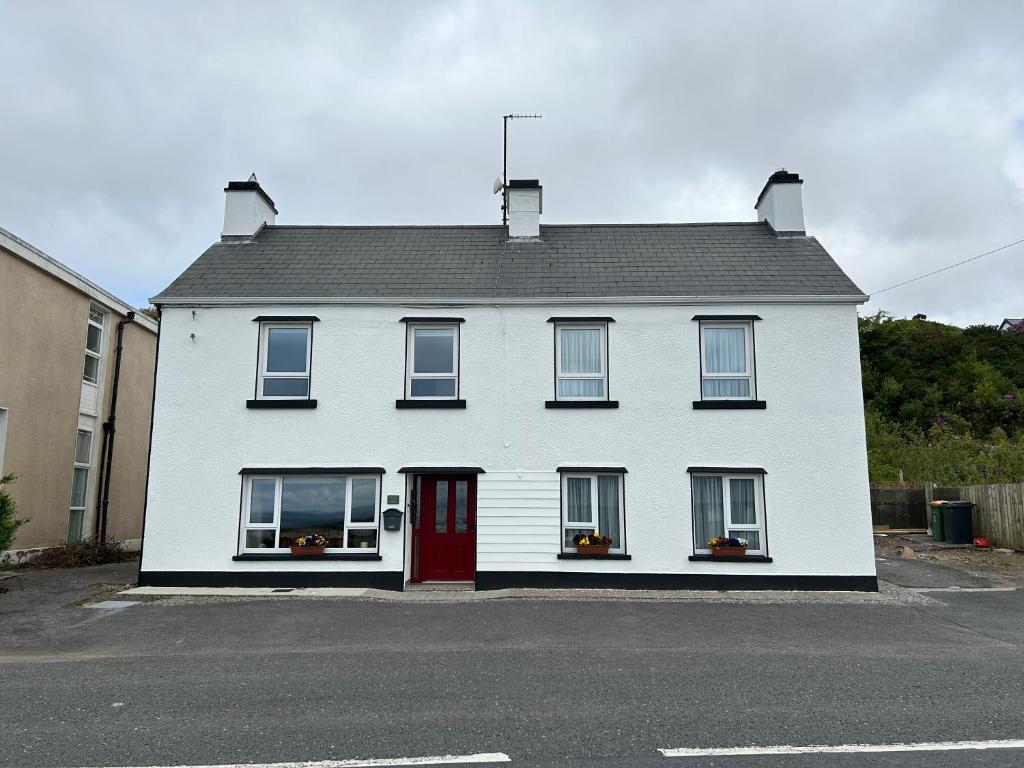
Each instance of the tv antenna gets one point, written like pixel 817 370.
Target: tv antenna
pixel 501 185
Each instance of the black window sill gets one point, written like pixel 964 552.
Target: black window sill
pixel 581 404
pixel 744 559
pixel 430 404
pixel 280 403
pixel 587 556
pixel 299 558
pixel 719 405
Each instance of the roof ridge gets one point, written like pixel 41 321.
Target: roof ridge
pixel 636 224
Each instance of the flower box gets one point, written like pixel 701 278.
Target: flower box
pixel 307 551
pixel 592 543
pixel 309 546
pixel 729 551
pixel 727 546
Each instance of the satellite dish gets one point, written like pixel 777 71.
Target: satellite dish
pixel 497 185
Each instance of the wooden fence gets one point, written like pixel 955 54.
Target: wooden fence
pixel 998 511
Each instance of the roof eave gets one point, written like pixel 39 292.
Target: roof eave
pixel 462 301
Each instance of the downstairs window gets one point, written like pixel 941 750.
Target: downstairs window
pixel 277 509
pixel 728 505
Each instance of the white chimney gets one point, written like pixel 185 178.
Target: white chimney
pixel 525 205
pixel 781 204
pixel 246 208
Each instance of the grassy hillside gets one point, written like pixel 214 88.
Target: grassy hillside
pixel 943 403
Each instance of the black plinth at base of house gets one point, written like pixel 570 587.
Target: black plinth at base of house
pixel 566 580
pixel 285 578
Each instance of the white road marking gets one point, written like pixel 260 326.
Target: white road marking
pixel 963 589
pixel 932 746
pixel 481 757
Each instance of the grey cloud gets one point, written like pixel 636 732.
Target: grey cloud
pixel 122 121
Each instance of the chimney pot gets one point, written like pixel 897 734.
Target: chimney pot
pixel 246 208
pixel 781 203
pixel 525 204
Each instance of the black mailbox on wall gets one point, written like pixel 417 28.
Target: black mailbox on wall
pixel 392 519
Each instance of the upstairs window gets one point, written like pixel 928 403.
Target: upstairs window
pixel 727 360
pixel 93 346
pixel 432 368
pixel 581 351
pixel 728 505
pixel 285 356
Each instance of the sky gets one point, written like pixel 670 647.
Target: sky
pixel 123 121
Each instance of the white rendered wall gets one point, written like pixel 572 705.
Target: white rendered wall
pixel 245 212
pixel 782 206
pixel 809 439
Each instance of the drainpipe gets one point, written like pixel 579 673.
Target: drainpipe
pixel 107 451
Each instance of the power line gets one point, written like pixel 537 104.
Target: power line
pixel 951 266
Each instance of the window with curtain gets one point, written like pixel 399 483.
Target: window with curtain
pixel 277 509
pixel 433 364
pixel 727 361
pixel 285 356
pixel 728 505
pixel 582 370
pixel 592 502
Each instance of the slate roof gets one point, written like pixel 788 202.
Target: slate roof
pixel 600 260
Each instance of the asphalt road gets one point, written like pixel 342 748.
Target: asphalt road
pixel 546 682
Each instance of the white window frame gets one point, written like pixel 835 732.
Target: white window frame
pixel 276 524
pixel 603 375
pixel 748 342
pixel 701 548
pixel 87 466
pixel 593 525
pixel 410 345
pixel 263 373
pixel 98 356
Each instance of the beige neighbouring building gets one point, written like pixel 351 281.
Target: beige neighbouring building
pixel 58 340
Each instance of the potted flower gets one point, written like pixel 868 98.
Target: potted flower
pixel 309 545
pixel 592 544
pixel 727 546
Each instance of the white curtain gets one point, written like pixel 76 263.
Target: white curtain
pixel 578 501
pixel 608 507
pixel 581 387
pixel 741 502
pixel 708 509
pixel 580 350
pixel 726 387
pixel 725 350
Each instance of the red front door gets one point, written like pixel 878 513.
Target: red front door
pixel 444 537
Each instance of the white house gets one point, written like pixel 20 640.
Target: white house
pixel 497 391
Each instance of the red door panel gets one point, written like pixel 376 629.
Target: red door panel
pixel 445 531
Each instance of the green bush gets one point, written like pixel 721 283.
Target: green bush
pixel 9 522
pixel 942 403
